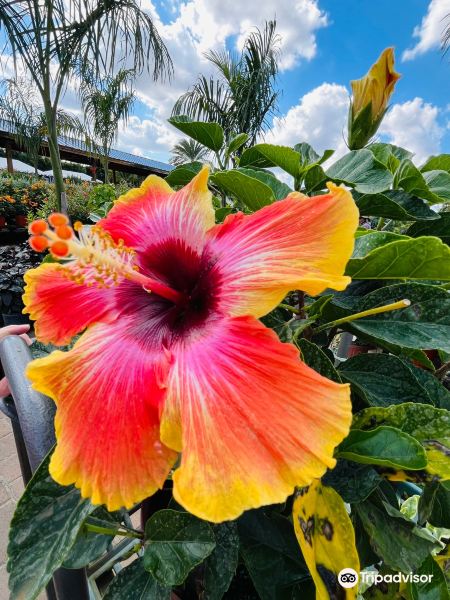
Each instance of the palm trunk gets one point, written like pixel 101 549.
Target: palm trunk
pixel 105 168
pixel 52 136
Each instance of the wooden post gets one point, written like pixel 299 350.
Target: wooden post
pixel 114 177
pixel 9 160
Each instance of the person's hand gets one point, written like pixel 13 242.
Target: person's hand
pixel 20 330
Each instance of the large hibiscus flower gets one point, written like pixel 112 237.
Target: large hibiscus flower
pixel 173 358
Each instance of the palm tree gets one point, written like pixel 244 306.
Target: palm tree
pixel 243 96
pixel 54 39
pixel 20 106
pixel 188 150
pixel 106 103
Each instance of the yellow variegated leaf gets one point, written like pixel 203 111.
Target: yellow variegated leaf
pixel 327 540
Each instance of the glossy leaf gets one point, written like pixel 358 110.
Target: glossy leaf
pixel 409 178
pixel 427 424
pixel 435 588
pixel 369 241
pixel 208 134
pixel 183 174
pixel 326 538
pixel 251 191
pixel 220 566
pixel 433 390
pixel 385 446
pixel 309 156
pixel 270 553
pixel 269 155
pixel 361 170
pixel 438 183
pixel 237 142
pixel 394 204
pixel 426 258
pixel 134 582
pixel 382 379
pixel 43 530
pixel 395 540
pixel 280 190
pixel 354 482
pixel 221 213
pixel 315 358
pixel 439 228
pixel 175 543
pixel 440 162
pixel 434 505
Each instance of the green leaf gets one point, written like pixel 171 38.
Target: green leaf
pixel 439 228
pixel 270 553
pixel 208 134
pixel 394 204
pixel 135 583
pixel 290 331
pixel 315 358
pixel 251 191
pixel 426 258
pixel 371 240
pixel 438 183
pixel 44 528
pixel 183 174
pixel 89 545
pixel 384 446
pixel 354 482
pixel 237 142
pixel 427 424
pixel 221 213
pixel 440 163
pixel 433 589
pixel 439 513
pixel 309 156
pixel 393 539
pixel 280 190
pixel 389 154
pixel 433 390
pixel 176 543
pixel 220 566
pixel 382 379
pixel 315 179
pixel 409 178
pixel 268 155
pixel 361 170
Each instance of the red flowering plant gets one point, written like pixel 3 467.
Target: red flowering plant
pixel 209 377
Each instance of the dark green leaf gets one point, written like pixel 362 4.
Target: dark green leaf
pixel 291 330
pixel 394 540
pixel 394 204
pixel 251 191
pixel 433 390
pixel 309 156
pixel 280 190
pixel 89 545
pixel 409 178
pixel 135 583
pixel 315 179
pixel 221 213
pixel 221 564
pixel 433 589
pixel 434 505
pixel 184 174
pixel 268 155
pixel 176 543
pixel 208 134
pixel 439 228
pixel 271 553
pixel 44 528
pixel 438 183
pixel 382 379
pixel 315 358
pixel 374 239
pixel 361 170
pixel 426 258
pixel 354 482
pixel 384 446
pixel 237 142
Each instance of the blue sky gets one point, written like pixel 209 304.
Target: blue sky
pixel 325 44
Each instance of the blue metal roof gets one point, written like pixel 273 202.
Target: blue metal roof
pixel 114 154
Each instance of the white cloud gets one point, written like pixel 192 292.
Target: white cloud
pixel 319 118
pixel 429 32
pixel 414 125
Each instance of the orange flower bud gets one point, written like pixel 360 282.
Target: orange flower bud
pixel 64 232
pixel 59 249
pixel 56 219
pixel 38 242
pixel 37 227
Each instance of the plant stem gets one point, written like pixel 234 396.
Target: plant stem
pixel 296 311
pixel 366 313
pixel 112 531
pixel 380 224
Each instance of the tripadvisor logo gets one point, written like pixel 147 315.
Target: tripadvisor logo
pixel 349 578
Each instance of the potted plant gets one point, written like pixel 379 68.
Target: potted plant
pixel 6 209
pixel 21 214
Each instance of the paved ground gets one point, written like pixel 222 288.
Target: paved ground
pixel 11 487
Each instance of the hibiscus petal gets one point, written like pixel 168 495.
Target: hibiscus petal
pixel 108 389
pixel 60 306
pixel 252 420
pixel 154 212
pixel 297 243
